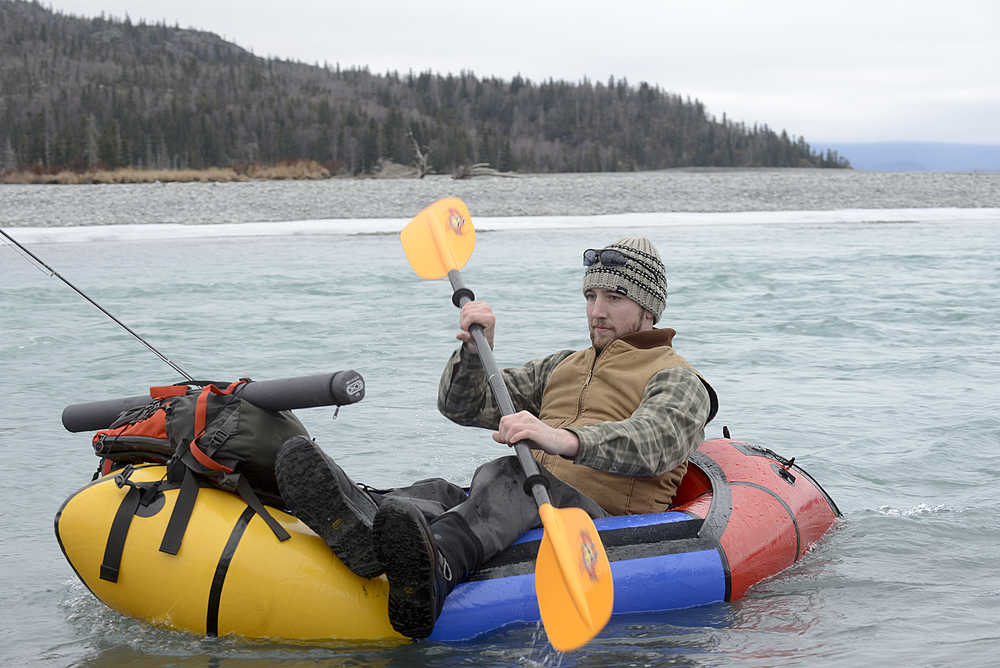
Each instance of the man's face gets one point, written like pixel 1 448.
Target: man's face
pixel 611 316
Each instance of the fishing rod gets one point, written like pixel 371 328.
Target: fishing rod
pixel 53 272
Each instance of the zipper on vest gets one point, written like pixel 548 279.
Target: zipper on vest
pixel 579 399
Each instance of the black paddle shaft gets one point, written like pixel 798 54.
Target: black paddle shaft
pixel 461 296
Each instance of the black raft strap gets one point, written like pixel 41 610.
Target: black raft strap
pixel 116 537
pixel 181 515
pixel 246 493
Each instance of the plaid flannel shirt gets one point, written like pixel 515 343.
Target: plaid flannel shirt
pixel 667 426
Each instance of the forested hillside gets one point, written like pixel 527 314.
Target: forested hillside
pixel 82 93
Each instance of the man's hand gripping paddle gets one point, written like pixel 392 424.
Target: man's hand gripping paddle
pixel 572 575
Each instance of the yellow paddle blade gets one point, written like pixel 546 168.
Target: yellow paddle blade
pixel 439 238
pixel 572 578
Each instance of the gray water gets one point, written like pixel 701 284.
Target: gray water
pixel 861 342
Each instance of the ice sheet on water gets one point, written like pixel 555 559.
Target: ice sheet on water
pixel 330 227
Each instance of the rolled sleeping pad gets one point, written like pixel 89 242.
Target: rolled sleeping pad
pixel 326 389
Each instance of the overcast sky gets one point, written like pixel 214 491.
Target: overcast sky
pixel 827 70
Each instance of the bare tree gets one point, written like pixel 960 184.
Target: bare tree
pixel 8 158
pixel 422 156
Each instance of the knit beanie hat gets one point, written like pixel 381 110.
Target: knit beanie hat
pixel 642 278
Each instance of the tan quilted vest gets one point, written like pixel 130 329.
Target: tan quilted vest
pixel 585 389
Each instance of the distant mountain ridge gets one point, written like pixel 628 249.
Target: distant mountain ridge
pixel 79 93
pixel 899 156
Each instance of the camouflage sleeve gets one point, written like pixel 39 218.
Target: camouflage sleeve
pixel 464 395
pixel 666 428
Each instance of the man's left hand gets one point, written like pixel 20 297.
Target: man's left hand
pixel 524 426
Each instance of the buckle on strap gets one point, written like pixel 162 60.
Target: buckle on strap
pixel 122 478
pixel 147 490
pixel 200 419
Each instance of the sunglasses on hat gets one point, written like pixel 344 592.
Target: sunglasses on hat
pixel 609 257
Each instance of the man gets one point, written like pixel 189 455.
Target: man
pixel 612 427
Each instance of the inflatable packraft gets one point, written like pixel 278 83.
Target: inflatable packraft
pixel 742 514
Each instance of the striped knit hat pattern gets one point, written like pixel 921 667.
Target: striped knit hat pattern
pixel 642 278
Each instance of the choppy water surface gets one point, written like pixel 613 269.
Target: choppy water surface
pixel 861 344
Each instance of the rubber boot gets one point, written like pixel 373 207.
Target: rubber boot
pixel 320 494
pixel 423 562
pixel 462 550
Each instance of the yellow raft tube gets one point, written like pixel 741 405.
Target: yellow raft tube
pixel 231 575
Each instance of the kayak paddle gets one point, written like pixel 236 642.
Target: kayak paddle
pixel 572 574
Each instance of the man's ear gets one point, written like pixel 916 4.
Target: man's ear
pixel 647 318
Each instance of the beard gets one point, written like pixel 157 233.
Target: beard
pixel 603 331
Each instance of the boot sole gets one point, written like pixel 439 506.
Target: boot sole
pixel 404 545
pixel 317 495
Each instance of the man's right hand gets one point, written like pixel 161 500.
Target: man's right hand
pixel 475 313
